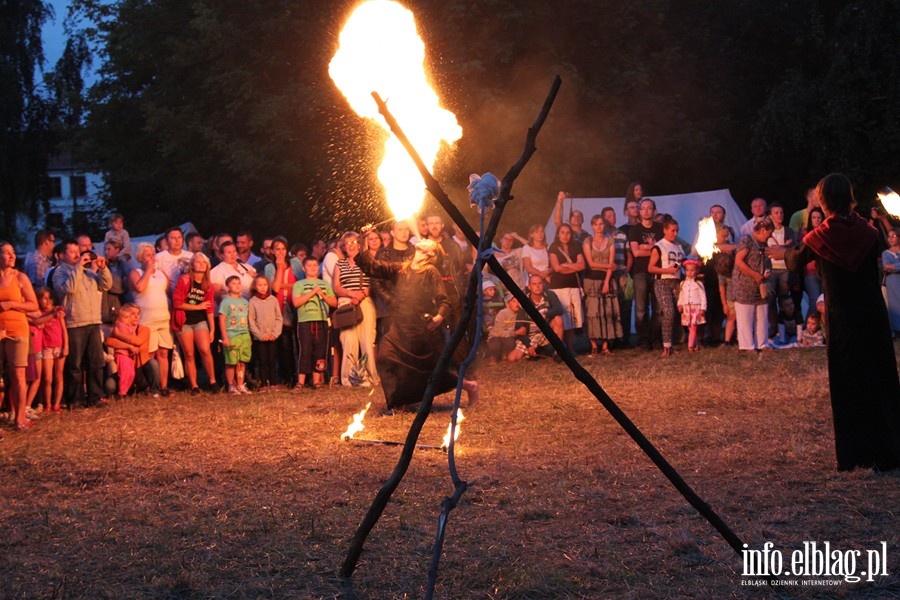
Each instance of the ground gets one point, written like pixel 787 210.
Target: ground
pixel 257 497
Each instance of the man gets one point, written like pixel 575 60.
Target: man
pixel 453 265
pixel 79 282
pixel 193 242
pixel 641 239
pixel 267 256
pixel 244 243
pixel 758 209
pixel 114 297
pixel 319 249
pixel 173 261
pixel 801 217
pixel 623 260
pixel 576 219
pixel 717 214
pixel 84 243
pixel 399 251
pixel 38 261
pixel 551 308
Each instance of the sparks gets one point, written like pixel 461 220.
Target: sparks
pixel 381 51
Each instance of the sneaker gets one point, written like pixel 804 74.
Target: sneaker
pixel 233 389
pixel 165 393
pixel 195 391
pixel 242 389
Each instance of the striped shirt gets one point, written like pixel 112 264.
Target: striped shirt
pixel 351 276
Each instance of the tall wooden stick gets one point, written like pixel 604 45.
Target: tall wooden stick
pixel 580 373
pixel 387 489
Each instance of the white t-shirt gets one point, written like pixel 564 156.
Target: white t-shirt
pixel 174 265
pixel 540 260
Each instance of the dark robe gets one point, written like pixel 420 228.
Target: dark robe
pixel 409 351
pixel 862 367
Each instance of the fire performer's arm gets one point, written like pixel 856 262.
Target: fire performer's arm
pixel 378 269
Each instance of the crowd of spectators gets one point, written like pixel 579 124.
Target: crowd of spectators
pixel 81 328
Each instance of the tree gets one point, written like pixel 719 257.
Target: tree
pixel 838 110
pixel 24 114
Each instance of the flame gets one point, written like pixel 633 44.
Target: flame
pixel 706 239
pixel 381 51
pixel 459 419
pixel 357 425
pixel 890 200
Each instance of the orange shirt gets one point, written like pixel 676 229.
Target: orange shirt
pixel 13 321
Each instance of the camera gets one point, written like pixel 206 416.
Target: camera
pixel 91 253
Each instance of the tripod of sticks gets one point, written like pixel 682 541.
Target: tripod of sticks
pixel 484 256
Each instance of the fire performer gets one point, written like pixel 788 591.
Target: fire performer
pixel 862 368
pixel 410 349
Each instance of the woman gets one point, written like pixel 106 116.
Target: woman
pixel 666 257
pixel 812 283
pixel 150 286
pixel 351 286
pixel 566 262
pixel 509 256
pixel 414 342
pixel 282 277
pixel 862 367
pixel 193 319
pixel 601 289
pixel 373 243
pixel 16 299
pixel 748 279
pixel 535 259
pixel 890 259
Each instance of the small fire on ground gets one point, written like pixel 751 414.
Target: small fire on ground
pixel 459 419
pixel 356 425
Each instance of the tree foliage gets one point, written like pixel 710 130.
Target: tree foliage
pixel 223 113
pixel 24 114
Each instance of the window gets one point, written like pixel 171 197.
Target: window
pixel 54 187
pixel 79 186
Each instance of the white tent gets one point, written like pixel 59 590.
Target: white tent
pixel 687 209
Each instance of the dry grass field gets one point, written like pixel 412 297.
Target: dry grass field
pixel 257 497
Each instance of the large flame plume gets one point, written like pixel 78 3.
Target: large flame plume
pixel 706 239
pixel 381 51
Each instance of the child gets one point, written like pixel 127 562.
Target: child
pixel 118 233
pixel 266 322
pixel 51 321
pixel 491 304
pixel 503 342
pixel 787 321
pixel 692 303
pixel 130 344
pixel 312 297
pixel 233 321
pixel 813 335
pixel 724 269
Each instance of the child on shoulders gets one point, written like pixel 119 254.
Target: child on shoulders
pixel 118 233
